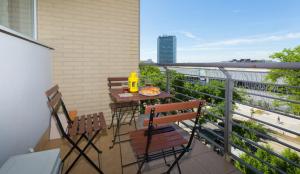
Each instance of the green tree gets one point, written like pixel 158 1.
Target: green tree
pixel 291 77
pixel 177 79
pixel 252 125
pixel 153 75
pixel 272 160
pixel 285 166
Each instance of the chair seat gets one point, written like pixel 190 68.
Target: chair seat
pixel 87 124
pixel 159 141
pixel 122 105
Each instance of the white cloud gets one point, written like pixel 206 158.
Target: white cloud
pixel 251 40
pixel 188 34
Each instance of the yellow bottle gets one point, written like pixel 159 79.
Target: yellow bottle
pixel 133 82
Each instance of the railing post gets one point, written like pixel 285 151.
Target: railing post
pixel 229 85
pixel 167 79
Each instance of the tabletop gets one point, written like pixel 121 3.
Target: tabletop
pixel 136 96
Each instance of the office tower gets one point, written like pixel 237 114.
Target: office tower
pixel 166 49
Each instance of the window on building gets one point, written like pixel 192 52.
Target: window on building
pixel 18 15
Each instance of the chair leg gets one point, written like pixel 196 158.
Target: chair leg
pixel 175 156
pixel 120 150
pixel 141 166
pixel 133 116
pixel 163 152
pixel 71 150
pixel 176 161
pixel 117 131
pixel 99 163
pixel 134 123
pixel 82 153
pixel 112 119
pixel 94 146
pixel 124 113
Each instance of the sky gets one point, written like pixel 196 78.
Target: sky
pixel 220 30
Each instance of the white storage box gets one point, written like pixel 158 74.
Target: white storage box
pixel 44 162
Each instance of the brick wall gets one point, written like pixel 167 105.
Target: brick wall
pixel 93 39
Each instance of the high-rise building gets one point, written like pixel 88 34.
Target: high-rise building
pixel 166 49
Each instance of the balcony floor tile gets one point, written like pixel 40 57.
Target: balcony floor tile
pixel 201 160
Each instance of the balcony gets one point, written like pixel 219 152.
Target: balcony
pixel 240 120
pixel 250 124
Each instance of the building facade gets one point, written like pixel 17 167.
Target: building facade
pixel 166 49
pixel 92 41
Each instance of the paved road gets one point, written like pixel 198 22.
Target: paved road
pixel 285 122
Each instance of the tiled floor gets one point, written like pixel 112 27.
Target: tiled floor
pixel 200 160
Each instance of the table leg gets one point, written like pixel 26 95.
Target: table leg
pixel 117 131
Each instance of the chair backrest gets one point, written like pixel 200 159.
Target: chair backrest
pixel 116 81
pixel 55 102
pixel 186 110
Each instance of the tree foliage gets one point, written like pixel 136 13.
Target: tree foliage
pixel 248 133
pixel 153 75
pixel 291 77
pixel 272 160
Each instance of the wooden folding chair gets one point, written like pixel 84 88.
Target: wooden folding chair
pixel 120 109
pixel 86 126
pixel 161 138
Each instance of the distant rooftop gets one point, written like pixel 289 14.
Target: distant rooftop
pixel 148 61
pixel 247 60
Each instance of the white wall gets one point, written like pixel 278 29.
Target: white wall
pixel 25 75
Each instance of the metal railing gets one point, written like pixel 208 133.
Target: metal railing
pixel 243 114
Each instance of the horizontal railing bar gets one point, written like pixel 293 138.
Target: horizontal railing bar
pixel 213 123
pixel 213 114
pixel 269 124
pixel 177 99
pixel 212 132
pixel 266 136
pixel 193 121
pixel 205 110
pixel 240 80
pixel 185 95
pixel 266 83
pixel 251 129
pixel 221 98
pixel 214 105
pixel 229 70
pixel 200 84
pixel 270 97
pixel 210 77
pixel 273 65
pixel 209 140
pixel 246 164
pixel 194 75
pixel 187 125
pixel 253 156
pixel 258 107
pixel 265 149
pixel 274 111
pixel 245 81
